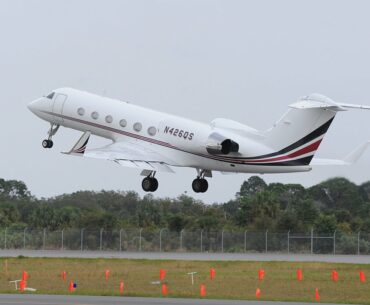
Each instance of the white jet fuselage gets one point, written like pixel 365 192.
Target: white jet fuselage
pixel 183 142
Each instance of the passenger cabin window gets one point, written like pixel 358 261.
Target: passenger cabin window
pixel 152 131
pixel 50 96
pixel 81 111
pixel 95 115
pixel 123 123
pixel 109 119
pixel 138 126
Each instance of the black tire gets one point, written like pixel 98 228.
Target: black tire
pixel 146 184
pixel 154 185
pixel 197 185
pixel 50 144
pixel 45 143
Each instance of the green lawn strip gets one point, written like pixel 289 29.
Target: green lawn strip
pixel 234 280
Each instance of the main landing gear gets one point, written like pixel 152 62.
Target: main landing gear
pixel 48 143
pixel 150 184
pixel 200 185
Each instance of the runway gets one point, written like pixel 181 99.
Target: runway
pixel 350 259
pixel 13 299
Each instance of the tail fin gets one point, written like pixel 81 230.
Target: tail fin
pixel 298 134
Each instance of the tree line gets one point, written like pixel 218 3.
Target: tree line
pixel 335 204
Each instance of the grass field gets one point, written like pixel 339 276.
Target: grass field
pixel 234 280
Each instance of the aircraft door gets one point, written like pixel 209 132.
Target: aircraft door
pixel 58 106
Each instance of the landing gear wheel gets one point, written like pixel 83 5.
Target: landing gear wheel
pixel 47 144
pixel 200 185
pixel 150 184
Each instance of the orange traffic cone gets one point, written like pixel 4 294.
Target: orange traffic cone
pixel 362 276
pixel 317 295
pixel 334 276
pixel 261 274
pixel 212 273
pixel 71 287
pixel 258 293
pixel 107 273
pixel 63 275
pixel 162 274
pixel 164 290
pixel 203 292
pixel 121 287
pixel 299 275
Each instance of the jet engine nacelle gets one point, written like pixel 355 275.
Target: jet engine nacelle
pixel 219 144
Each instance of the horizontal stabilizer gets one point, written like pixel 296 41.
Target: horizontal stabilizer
pixel 79 148
pixel 316 100
pixel 354 106
pixel 350 159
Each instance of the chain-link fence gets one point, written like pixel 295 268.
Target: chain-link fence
pixel 164 240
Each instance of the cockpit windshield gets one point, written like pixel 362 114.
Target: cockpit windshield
pixel 50 96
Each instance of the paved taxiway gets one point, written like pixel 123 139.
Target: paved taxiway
pixel 13 299
pixel 352 259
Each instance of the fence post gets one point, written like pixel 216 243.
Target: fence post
pixel 82 239
pixel 201 241
pixel 24 238
pixel 6 230
pixel 44 239
pixel 101 239
pixel 160 239
pixel 358 243
pixel 120 240
pixel 141 229
pixel 335 232
pixel 222 241
pixel 266 241
pixel 311 240
pixel 181 232
pixel 62 239
pixel 245 241
pixel 288 241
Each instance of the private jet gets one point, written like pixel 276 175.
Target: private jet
pixel 154 141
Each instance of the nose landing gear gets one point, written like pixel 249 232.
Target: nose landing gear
pixel 48 143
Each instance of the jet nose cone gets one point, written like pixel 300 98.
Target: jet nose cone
pixel 35 105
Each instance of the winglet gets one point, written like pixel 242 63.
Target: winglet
pixel 357 153
pixel 79 148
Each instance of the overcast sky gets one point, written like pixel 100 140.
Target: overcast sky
pixel 243 60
